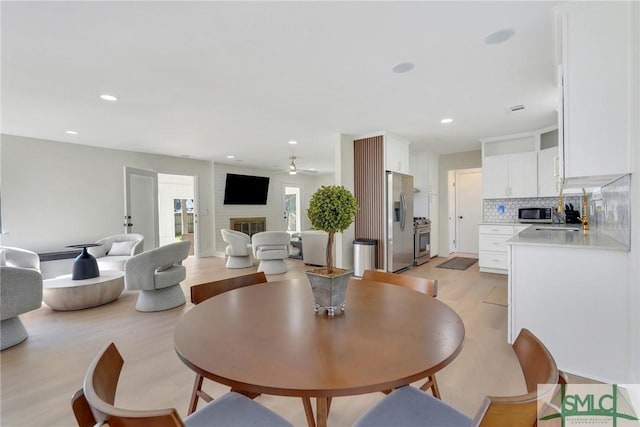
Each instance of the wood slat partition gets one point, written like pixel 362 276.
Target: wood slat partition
pixel 369 190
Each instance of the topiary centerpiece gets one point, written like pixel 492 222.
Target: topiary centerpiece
pixel 331 209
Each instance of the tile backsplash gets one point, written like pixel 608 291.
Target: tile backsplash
pixel 611 210
pixel 506 210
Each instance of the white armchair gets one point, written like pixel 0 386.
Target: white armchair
pixel 157 274
pixel 115 250
pixel 20 292
pixel 314 247
pixel 238 248
pixel 271 248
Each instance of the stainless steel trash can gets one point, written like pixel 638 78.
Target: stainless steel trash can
pixel 364 255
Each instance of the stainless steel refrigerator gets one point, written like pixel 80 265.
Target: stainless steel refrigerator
pixel 400 240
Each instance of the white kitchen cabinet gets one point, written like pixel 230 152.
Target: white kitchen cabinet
pixel 493 249
pixel 548 172
pixel 434 173
pixel 425 170
pixel 595 46
pixel 434 206
pixel 510 175
pixel 396 152
pixel 580 310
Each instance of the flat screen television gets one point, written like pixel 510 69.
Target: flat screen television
pixel 246 190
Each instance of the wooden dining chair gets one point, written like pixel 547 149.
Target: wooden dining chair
pixel 203 292
pixel 410 406
pixel 93 404
pixel 420 284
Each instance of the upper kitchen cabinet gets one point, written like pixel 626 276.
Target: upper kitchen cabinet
pixel 396 152
pixel 596 44
pixel 549 164
pixel 521 165
pixel 509 166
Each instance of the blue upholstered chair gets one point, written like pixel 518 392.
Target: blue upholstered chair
pixel 93 404
pixel 408 406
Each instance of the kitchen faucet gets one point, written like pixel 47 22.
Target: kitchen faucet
pixel 585 211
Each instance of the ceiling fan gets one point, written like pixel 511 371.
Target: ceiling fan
pixel 293 169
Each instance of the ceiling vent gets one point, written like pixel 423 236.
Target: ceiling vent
pixel 516 108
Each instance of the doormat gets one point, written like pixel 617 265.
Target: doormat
pixel 458 263
pixel 497 296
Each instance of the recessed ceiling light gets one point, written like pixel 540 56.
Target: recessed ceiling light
pixel 293 142
pixel 107 97
pixel 446 120
pixel 71 132
pixel 293 172
pixel 231 157
pixel 499 36
pixel 403 67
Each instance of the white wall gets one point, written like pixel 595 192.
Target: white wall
pixel 273 210
pixel 56 194
pixel 344 175
pixel 634 254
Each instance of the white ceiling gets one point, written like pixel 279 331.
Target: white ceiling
pixel 209 79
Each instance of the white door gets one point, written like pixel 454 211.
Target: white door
pixel 141 204
pixel 451 210
pixel 292 211
pixel 469 209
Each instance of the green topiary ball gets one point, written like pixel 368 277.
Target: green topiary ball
pixel 332 208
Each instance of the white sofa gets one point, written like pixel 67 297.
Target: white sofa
pixel 271 248
pixel 157 274
pixel 314 247
pixel 238 250
pixel 115 250
pixel 20 292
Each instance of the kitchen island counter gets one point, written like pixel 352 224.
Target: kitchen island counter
pixel 566 236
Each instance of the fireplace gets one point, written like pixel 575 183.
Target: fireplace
pixel 248 226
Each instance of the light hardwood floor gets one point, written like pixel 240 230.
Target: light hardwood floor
pixel 39 376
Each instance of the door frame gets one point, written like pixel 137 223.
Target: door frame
pixel 196 211
pixel 453 207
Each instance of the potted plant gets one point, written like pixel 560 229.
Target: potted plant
pixel 331 209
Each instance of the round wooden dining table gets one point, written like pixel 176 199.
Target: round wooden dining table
pixel 267 339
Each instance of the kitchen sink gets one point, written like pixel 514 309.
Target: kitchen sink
pixel 556 228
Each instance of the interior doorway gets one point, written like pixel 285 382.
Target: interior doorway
pixel 177 210
pixel 465 213
pixel 292 210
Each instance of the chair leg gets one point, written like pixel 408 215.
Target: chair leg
pixel 433 385
pixel 198 393
pixel 197 386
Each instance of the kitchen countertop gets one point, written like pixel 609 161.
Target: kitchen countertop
pixel 592 239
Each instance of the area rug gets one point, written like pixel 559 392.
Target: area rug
pixel 458 263
pixel 497 296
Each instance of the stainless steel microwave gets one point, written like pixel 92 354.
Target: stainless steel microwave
pixel 534 215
